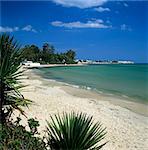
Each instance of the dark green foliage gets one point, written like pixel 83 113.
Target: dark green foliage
pixel 70 56
pixel 14 136
pixel 70 132
pixel 47 48
pixel 31 53
pixel 10 73
pixel 33 124
pixel 74 132
pixel 47 55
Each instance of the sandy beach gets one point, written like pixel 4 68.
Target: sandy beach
pixel 52 65
pixel 126 129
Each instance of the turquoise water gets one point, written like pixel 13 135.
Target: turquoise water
pixel 122 80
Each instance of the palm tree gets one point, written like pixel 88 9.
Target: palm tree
pixel 74 132
pixel 10 96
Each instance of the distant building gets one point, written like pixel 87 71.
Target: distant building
pixel 114 62
pixel 104 62
pixel 30 64
pixel 125 62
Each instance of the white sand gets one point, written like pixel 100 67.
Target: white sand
pixel 126 130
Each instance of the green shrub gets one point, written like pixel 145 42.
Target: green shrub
pixel 74 132
pixel 33 124
pixel 69 132
pixel 14 136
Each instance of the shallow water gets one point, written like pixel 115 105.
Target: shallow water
pixel 129 81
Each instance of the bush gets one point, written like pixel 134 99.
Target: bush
pixel 69 132
pixel 14 136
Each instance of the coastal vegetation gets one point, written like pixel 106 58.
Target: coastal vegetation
pixel 14 136
pixel 47 55
pixel 72 131
pixel 10 74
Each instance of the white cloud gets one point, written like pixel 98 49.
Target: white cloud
pixel 89 24
pixel 8 29
pixel 101 9
pixel 124 27
pixel 13 29
pixel 29 28
pixel 125 4
pixel 80 3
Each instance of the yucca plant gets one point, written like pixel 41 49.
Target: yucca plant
pixel 74 131
pixel 10 73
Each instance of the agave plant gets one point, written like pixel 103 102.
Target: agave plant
pixel 74 131
pixel 10 96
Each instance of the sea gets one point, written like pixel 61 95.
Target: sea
pixel 125 80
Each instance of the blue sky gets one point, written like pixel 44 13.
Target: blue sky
pixel 95 29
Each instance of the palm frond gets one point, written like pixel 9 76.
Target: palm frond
pixel 74 131
pixel 10 71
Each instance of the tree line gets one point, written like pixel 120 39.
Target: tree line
pixel 47 55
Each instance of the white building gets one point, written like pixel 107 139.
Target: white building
pixel 125 62
pixel 30 64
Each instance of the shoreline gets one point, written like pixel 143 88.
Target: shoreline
pixel 52 65
pixel 131 104
pixel 125 129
